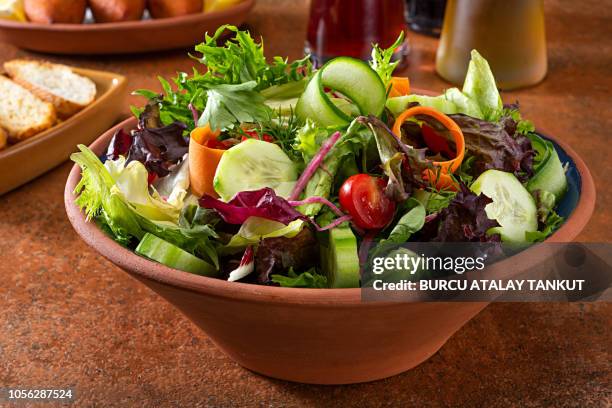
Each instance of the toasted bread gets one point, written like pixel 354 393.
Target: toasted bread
pixel 3 139
pixel 23 114
pixel 54 83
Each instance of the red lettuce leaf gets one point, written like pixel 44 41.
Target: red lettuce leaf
pixel 496 145
pixel 158 147
pixel 262 203
pixel 464 220
pixel 278 255
pixel 119 145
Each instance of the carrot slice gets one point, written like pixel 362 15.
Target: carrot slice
pixel 203 161
pixel 400 86
pixel 440 175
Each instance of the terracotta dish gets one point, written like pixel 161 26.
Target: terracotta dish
pixel 121 38
pixel 31 158
pixel 322 336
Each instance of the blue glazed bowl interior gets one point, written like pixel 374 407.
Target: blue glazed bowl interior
pixel 570 200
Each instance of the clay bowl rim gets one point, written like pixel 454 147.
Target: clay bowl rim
pixel 159 23
pixel 350 297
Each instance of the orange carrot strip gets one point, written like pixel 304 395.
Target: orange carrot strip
pixel 400 86
pixel 440 176
pixel 203 161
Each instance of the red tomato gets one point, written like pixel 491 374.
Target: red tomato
pixel 363 197
pixel 251 134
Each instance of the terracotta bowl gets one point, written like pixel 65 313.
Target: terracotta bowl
pixel 320 336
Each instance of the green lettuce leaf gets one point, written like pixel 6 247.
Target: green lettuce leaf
pixel 320 185
pixel 101 199
pixel 480 86
pixel 131 184
pixel 229 105
pixel 308 279
pixel 479 98
pixel 381 60
pixel 409 223
pixel 254 229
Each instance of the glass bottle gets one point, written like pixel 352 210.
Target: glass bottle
pixel 350 27
pixel 508 33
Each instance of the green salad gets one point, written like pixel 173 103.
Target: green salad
pixel 276 173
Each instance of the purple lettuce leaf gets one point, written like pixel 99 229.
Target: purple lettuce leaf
pixel 403 164
pixel 158 147
pixel 464 220
pixel 496 145
pixel 119 145
pixel 262 203
pixel 278 255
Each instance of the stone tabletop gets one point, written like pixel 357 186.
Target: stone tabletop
pixel 70 318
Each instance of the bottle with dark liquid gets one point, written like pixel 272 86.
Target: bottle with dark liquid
pixel 350 27
pixel 425 16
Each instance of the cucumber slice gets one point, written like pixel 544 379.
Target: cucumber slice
pixel 352 78
pixel 513 207
pixel 549 174
pixel 357 81
pixel 339 257
pixel 252 165
pixel 314 104
pixel 165 253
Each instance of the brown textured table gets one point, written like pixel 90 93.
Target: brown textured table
pixel 68 317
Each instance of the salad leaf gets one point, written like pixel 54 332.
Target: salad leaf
pixel 402 163
pixel 480 86
pixel 278 255
pixel 491 144
pixel 236 61
pixel 157 147
pixel 308 140
pixel 321 183
pixel 546 229
pixel 193 216
pixel 479 98
pixel 254 229
pixel 229 105
pixel 381 60
pixel 307 279
pixel 522 126
pixel 131 184
pixel 399 104
pixel 464 220
pixel 548 220
pixel 101 198
pixel 408 224
pixel 464 103
pixel 434 201
pixel 243 60
pixel 263 203
pixel 119 145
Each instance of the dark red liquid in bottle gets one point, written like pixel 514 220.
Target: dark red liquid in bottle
pixel 350 27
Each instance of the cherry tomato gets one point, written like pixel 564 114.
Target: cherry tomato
pixel 251 134
pixel 363 197
pixel 217 144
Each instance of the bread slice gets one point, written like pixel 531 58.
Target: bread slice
pixel 3 139
pixel 23 114
pixel 54 83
